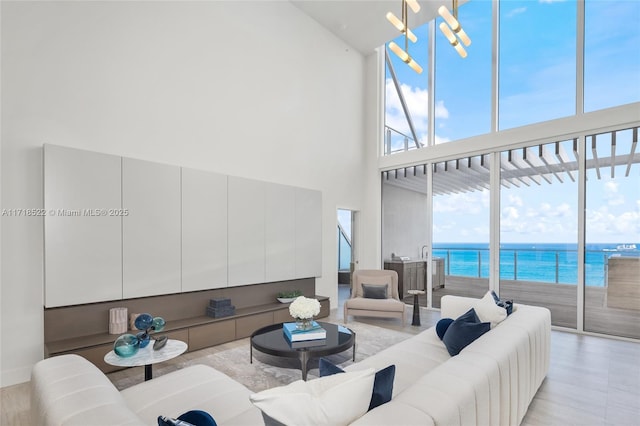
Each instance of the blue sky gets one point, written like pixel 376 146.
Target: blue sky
pixel 537 69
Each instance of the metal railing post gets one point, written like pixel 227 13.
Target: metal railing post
pixel 515 265
pixel 479 264
pixel 448 263
pixel 557 267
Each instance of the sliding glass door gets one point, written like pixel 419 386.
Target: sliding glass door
pixel 539 228
pixel 612 234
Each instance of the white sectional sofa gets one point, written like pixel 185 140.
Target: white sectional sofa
pixel 69 390
pixel 491 382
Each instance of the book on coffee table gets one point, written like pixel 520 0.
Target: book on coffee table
pixel 295 335
pixel 308 343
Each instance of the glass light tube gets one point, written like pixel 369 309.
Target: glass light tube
pixel 453 22
pixel 448 33
pixel 404 56
pixel 415 66
pixel 460 50
pixel 413 4
pixel 463 37
pixel 400 26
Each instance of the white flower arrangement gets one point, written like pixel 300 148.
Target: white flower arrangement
pixel 304 308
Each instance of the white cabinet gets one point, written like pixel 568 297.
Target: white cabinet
pixel 151 231
pixel 280 244
pixel 204 230
pixel 308 224
pixel 83 245
pixel 246 219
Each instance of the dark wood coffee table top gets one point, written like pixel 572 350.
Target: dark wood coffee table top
pixel 271 340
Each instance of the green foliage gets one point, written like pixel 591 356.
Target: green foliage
pixel 289 294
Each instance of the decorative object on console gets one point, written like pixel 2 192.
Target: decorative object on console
pixel 303 310
pixel 288 296
pixel 220 308
pixel 117 320
pixel 382 383
pixel 127 345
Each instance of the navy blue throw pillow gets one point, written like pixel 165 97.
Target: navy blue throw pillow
pixel 382 383
pixel 193 417
pixel 464 330
pixel 442 326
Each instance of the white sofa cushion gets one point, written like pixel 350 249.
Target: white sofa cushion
pixel 489 311
pixel 69 390
pixel 385 305
pixel 197 387
pixel 333 400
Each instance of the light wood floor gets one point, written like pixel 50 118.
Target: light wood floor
pixel 591 381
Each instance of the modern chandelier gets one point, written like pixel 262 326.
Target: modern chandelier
pixel 402 26
pixel 454 29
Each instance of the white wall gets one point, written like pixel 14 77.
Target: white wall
pixel 405 225
pixel 251 89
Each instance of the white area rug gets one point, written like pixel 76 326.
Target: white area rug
pixel 266 371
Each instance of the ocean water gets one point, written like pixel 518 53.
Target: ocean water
pixel 544 262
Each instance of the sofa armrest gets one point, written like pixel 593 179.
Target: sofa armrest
pixel 69 390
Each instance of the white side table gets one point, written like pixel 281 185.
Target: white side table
pixel 147 356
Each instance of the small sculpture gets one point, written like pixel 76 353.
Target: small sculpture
pixel 127 345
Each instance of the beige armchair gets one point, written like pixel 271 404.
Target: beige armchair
pixel 391 306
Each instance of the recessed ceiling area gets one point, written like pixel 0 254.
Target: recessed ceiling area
pixel 362 23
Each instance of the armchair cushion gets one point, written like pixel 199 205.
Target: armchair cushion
pixel 386 305
pixel 374 291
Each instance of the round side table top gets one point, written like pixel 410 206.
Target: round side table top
pixel 415 291
pixel 147 356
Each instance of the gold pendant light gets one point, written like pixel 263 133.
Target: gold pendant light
pixel 452 28
pixel 402 26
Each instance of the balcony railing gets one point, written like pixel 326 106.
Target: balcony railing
pixel 544 265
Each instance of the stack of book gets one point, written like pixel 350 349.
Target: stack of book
pixel 220 308
pixel 314 336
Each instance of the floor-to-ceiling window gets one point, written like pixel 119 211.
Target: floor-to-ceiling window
pixel 539 228
pixel 463 97
pixel 460 247
pixel 539 104
pixel 537 51
pixel 612 234
pixel 611 53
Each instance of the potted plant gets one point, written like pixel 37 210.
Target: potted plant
pixel 288 296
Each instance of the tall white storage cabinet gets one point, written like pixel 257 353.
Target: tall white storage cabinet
pixel 246 231
pixel 204 230
pixel 308 223
pixel 280 232
pixel 83 245
pixel 151 231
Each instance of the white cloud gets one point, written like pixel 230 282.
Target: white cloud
pixel 469 203
pixel 612 195
pixel 603 222
pixel 417 100
pixel 516 11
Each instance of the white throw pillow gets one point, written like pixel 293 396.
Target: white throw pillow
pixel 338 399
pixel 488 311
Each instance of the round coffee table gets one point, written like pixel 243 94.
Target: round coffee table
pixel 272 341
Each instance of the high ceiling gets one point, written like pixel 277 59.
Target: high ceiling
pixel 362 23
